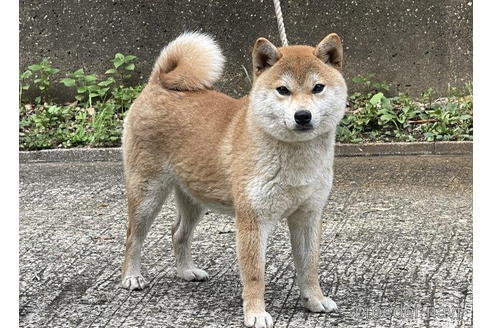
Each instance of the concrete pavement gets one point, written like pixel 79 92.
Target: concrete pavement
pixel 397 251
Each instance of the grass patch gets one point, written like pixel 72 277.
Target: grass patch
pixel 375 117
pixel 95 117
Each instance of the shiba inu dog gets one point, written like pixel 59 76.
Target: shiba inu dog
pixel 260 158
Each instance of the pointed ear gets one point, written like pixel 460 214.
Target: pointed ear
pixel 330 51
pixel 265 54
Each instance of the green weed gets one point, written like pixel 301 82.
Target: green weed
pixel 93 119
pixel 96 115
pixel 373 116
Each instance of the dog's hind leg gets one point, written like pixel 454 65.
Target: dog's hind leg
pixel 188 216
pixel 145 199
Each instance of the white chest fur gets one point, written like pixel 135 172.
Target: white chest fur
pixel 289 174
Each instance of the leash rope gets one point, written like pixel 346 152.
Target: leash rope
pixel 280 23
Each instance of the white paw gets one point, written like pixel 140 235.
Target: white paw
pixel 258 320
pixel 193 274
pixel 325 304
pixel 134 282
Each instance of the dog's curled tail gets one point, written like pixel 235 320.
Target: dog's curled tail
pixel 193 61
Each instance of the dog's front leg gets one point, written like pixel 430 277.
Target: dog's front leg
pixel 305 235
pixel 251 241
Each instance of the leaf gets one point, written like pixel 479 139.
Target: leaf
pixel 376 99
pixel 90 78
pixel 53 109
pixel 386 117
pixel 27 74
pixel 118 60
pixel 35 67
pixel 79 71
pixel 110 71
pixel 107 82
pixel 68 82
pixel 129 58
pixel 386 103
pixel 102 91
pixel 401 120
pixel 130 67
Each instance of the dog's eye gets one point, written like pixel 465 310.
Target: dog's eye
pixel 283 91
pixel 318 88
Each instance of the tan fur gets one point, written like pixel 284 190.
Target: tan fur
pixel 184 66
pixel 205 145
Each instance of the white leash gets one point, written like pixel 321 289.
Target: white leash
pixel 280 23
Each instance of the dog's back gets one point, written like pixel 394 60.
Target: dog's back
pixel 179 123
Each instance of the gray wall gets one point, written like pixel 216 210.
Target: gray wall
pixel 413 44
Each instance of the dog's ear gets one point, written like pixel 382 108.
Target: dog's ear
pixel 265 54
pixel 330 51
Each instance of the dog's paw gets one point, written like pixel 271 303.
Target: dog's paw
pixel 134 282
pixel 323 304
pixel 193 274
pixel 258 320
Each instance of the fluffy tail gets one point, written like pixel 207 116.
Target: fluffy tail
pixel 193 61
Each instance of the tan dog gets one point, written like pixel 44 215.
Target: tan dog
pixel 260 158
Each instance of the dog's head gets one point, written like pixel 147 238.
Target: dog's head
pixel 298 91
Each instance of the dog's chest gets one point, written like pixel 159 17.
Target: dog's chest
pixel 286 179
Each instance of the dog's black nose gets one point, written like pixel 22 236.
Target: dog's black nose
pixel 302 117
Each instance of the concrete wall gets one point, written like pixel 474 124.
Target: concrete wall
pixel 413 44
